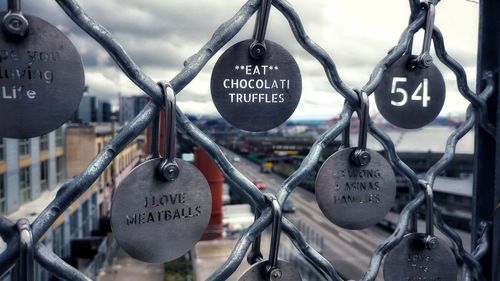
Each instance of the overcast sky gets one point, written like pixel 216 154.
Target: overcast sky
pixel 160 34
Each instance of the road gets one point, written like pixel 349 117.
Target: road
pixel 348 251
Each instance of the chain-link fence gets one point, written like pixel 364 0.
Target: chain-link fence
pixel 477 115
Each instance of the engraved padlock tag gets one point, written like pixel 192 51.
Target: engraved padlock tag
pixel 410 98
pixel 421 256
pixel 412 91
pixel 41 76
pixel 162 208
pixel 356 187
pixel 256 84
pixel 272 269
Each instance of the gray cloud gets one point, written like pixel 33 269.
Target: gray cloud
pixel 159 35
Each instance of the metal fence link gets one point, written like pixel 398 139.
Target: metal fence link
pixel 70 191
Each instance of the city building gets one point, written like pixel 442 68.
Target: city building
pixel 33 170
pixel 29 167
pixel 84 142
pixel 92 109
pixel 130 107
pixel 104 112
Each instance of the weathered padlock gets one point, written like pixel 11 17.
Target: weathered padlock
pixel 256 84
pixel 41 79
pixel 356 187
pixel 272 269
pixel 162 208
pixel 412 91
pixel 421 256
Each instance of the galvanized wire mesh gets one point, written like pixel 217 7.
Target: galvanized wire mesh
pixel 70 191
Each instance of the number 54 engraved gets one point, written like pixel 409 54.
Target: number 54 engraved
pixel 422 87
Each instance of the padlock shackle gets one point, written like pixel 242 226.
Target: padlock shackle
pixel 258 47
pixel 272 268
pixel 361 155
pixel 168 169
pixel 429 209
pixel 424 60
pixel 170 120
pixel 26 253
pixel 429 27
pixel 364 120
pixel 14 5
pixel 429 240
pixel 154 146
pixel 276 233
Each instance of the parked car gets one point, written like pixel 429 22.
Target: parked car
pixel 236 159
pixel 260 184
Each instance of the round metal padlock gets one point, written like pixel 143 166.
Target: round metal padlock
pixel 41 80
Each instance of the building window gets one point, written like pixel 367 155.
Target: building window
pixel 24 146
pixel 59 137
pixel 44 142
pixel 59 169
pixel 58 240
pixel 2 157
pixel 44 177
pixel 85 219
pixel 74 227
pixel 2 194
pixel 95 212
pixel 24 185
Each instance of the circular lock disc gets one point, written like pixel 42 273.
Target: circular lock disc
pixel 352 196
pixel 257 272
pixel 410 98
pixel 41 80
pixel 157 221
pixel 411 260
pixel 256 95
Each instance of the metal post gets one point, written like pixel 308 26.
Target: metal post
pixel 487 157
